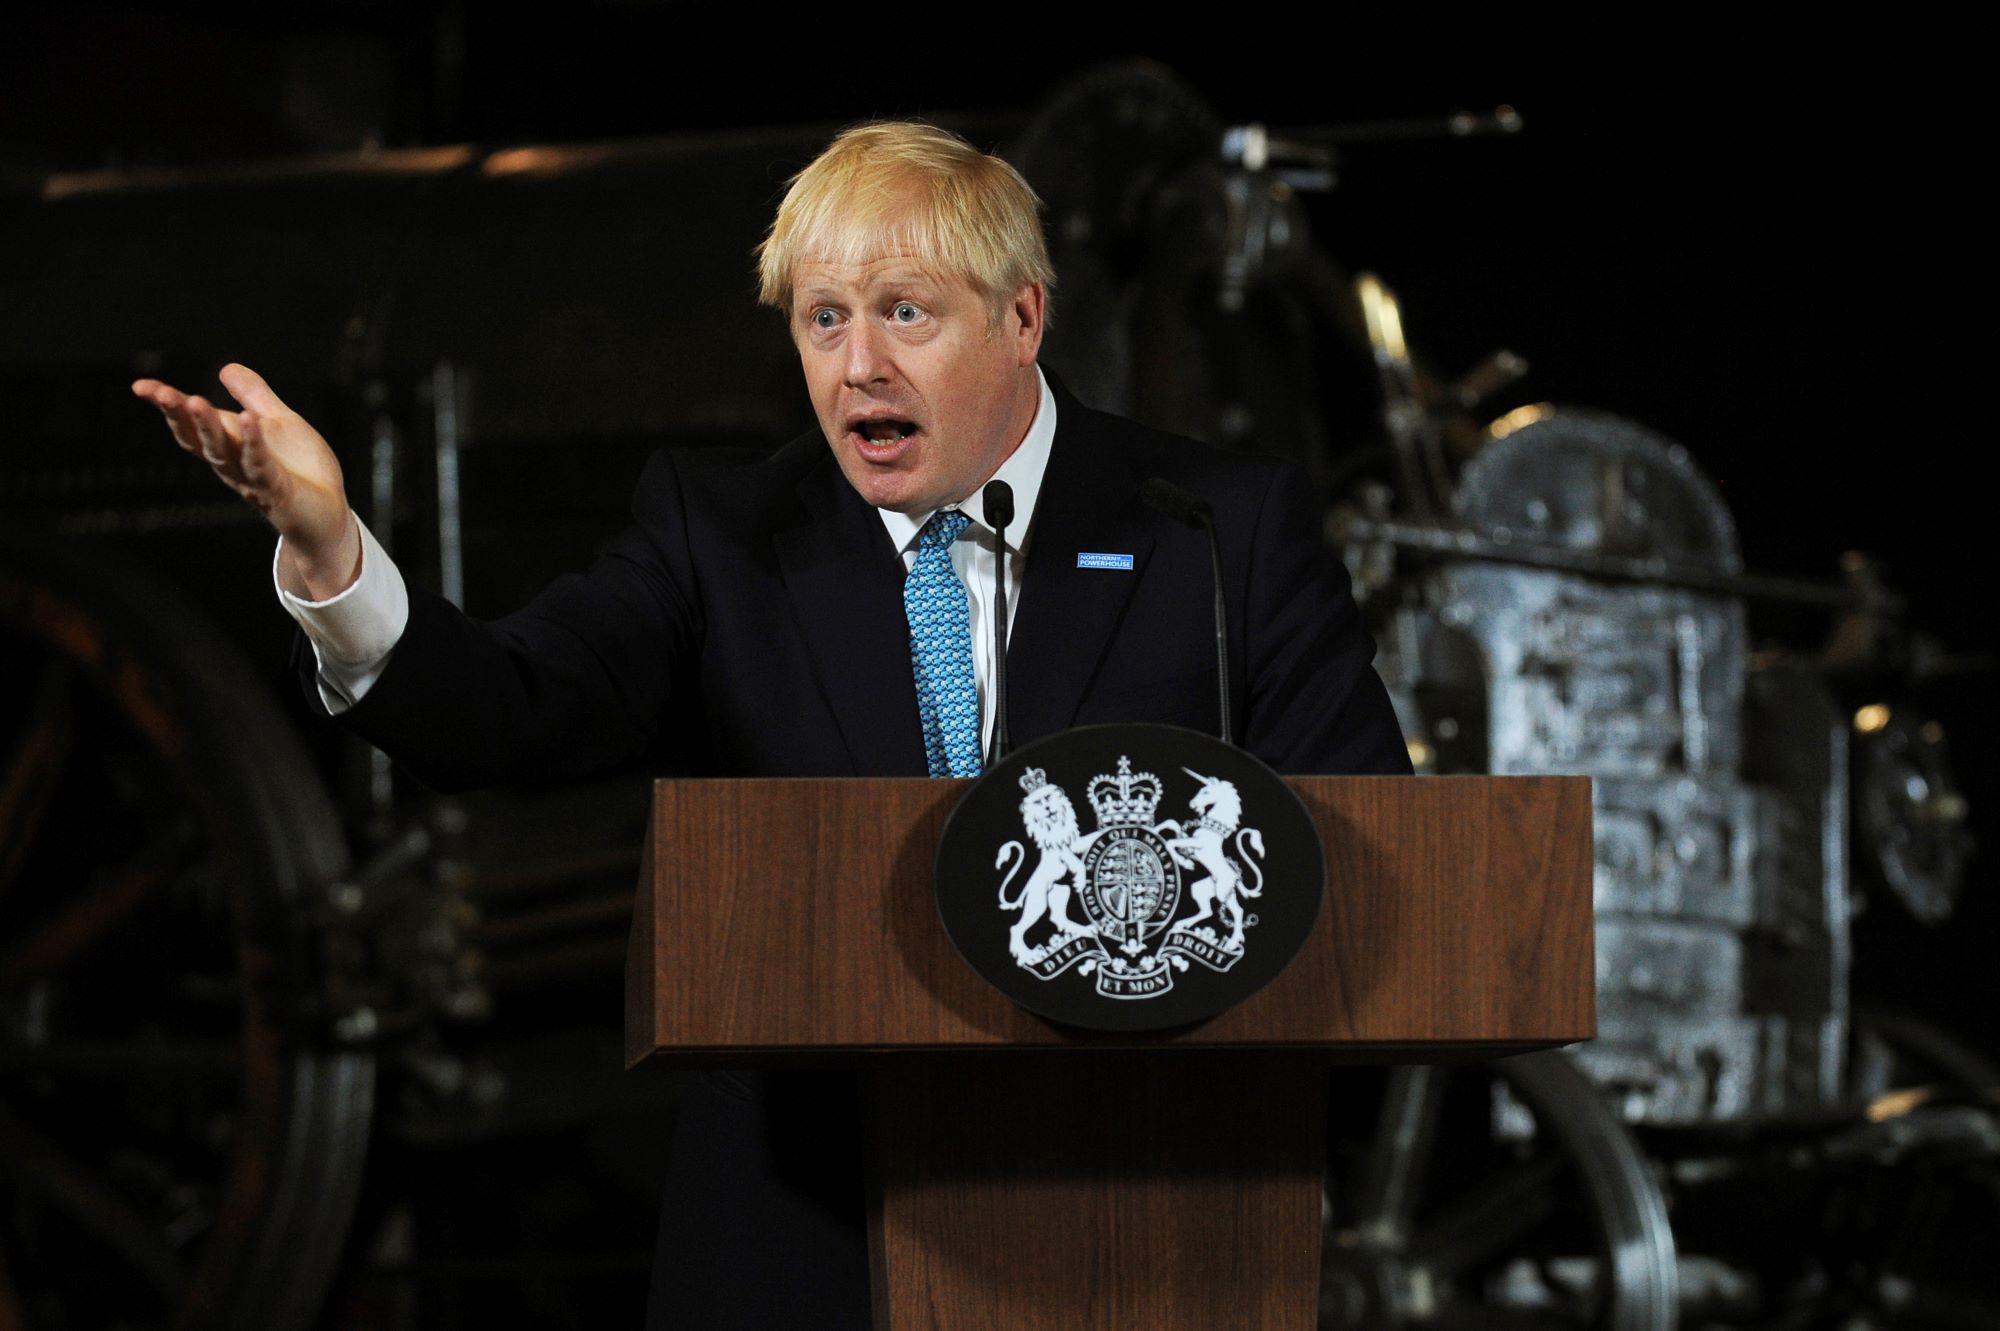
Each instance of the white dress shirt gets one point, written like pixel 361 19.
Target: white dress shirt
pixel 972 554
pixel 354 633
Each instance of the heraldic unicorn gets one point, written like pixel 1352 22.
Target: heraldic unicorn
pixel 1140 922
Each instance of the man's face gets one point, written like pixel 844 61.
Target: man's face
pixel 921 393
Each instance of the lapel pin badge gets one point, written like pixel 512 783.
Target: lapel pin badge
pixel 1086 559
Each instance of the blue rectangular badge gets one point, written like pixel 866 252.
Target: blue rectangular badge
pixel 1085 560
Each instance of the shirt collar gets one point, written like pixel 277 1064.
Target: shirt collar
pixel 1022 470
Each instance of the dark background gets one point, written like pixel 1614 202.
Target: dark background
pixel 1763 238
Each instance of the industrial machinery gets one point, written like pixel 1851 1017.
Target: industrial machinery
pixel 1561 590
pixel 284 1036
pixel 1572 599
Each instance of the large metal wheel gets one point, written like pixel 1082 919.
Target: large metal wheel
pixel 177 1148
pixel 1500 1196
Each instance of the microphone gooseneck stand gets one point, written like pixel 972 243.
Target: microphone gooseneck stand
pixel 998 503
pixel 1183 506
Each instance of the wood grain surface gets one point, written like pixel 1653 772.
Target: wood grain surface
pixel 1176 1190
pixel 798 916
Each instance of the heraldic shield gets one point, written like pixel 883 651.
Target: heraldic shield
pixel 1198 882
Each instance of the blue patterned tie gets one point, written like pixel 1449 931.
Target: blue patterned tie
pixel 941 650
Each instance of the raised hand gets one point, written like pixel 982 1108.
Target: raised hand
pixel 269 454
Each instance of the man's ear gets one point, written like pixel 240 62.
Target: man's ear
pixel 1030 310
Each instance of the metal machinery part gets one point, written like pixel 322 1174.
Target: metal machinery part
pixel 1908 810
pixel 179 1147
pixel 1879 1216
pixel 1893 1052
pixel 1719 795
pixel 1100 154
pixel 1190 294
pixel 1583 608
pixel 1494 1196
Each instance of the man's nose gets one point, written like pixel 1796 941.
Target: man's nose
pixel 867 353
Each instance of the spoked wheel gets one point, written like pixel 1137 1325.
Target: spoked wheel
pixel 176 1149
pixel 1498 1196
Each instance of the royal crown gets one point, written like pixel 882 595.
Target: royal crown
pixel 1125 798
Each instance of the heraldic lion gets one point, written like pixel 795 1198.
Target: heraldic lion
pixel 1051 822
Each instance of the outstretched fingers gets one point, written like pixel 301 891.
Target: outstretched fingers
pixel 263 483
pixel 172 405
pixel 253 456
pixel 218 441
pixel 266 454
pixel 153 391
pixel 198 426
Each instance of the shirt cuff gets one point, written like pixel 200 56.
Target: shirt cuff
pixel 353 633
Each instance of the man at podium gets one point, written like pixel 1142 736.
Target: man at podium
pixel 825 610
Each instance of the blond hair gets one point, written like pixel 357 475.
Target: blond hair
pixel 909 188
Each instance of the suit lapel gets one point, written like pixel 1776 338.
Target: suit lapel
pixel 846 588
pixel 1088 504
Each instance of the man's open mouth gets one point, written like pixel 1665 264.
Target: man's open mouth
pixel 884 431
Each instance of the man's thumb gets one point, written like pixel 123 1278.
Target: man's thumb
pixel 249 389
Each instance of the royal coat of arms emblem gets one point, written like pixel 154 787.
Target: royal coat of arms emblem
pixel 1137 899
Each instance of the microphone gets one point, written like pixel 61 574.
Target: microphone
pixel 997 502
pixel 1190 509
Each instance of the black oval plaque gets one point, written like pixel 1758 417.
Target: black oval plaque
pixel 1129 877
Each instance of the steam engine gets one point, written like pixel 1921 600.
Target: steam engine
pixel 338 972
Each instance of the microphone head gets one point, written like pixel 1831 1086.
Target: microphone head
pixel 1163 496
pixel 997 501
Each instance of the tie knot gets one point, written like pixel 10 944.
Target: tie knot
pixel 942 529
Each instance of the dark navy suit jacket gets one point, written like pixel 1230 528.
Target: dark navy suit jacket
pixel 750 623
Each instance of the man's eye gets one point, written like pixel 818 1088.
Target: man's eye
pixel 824 318
pixel 906 313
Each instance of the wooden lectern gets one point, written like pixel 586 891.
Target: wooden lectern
pixel 1027 1176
